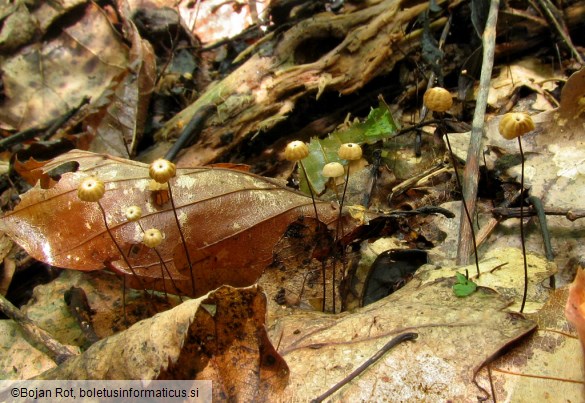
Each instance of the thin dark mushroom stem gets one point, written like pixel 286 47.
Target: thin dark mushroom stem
pixel 183 242
pixel 323 265
pixel 163 265
pixel 522 227
pixel 118 245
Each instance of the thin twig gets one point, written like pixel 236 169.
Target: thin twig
pixel 388 346
pixel 513 212
pixel 464 204
pixel 191 131
pixel 560 27
pixel 48 130
pixel 57 351
pixel 471 173
pixel 541 213
pixel 548 250
pixel 489 227
pixel 414 180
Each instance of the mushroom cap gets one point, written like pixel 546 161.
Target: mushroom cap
pixel 350 151
pixel 91 189
pixel 152 237
pixel 133 213
pixel 333 170
pixel 438 99
pixel 296 151
pixel 515 124
pixel 162 170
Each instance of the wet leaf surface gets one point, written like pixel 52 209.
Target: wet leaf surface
pixel 230 219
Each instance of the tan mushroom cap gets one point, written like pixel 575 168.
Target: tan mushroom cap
pixel 333 170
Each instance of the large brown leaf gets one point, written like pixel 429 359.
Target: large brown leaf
pixel 231 221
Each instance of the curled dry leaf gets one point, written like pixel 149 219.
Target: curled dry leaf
pixel 219 337
pixel 230 219
pixel 120 114
pixel 575 309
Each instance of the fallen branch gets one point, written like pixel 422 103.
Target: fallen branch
pixel 471 173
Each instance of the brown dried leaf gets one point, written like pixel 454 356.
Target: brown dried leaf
pixel 219 337
pixel 231 221
pixel 456 337
pixel 118 123
pixel 572 105
pixel 546 366
pixel 45 80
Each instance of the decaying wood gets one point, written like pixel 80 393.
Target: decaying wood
pixel 263 91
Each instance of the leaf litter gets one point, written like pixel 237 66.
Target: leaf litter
pixel 434 319
pixel 546 366
pixel 352 326
pixel 79 63
pixel 199 339
pixel 443 369
pixel 191 341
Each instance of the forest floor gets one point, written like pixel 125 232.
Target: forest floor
pixel 249 267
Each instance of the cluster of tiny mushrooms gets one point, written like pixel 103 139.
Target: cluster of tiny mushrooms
pixel 436 99
pixel 92 189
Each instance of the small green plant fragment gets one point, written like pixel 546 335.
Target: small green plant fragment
pixel 464 286
pixel 379 125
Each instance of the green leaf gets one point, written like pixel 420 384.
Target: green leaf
pixel 379 125
pixel 463 287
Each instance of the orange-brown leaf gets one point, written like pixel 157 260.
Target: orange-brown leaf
pixel 575 308
pixel 231 221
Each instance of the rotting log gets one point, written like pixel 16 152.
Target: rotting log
pixel 363 44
